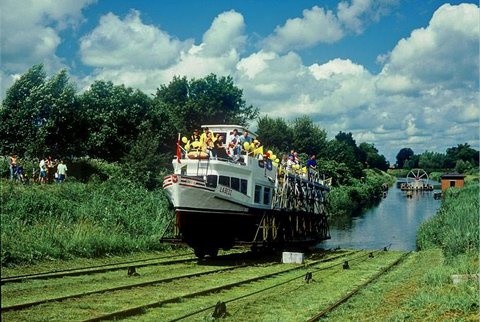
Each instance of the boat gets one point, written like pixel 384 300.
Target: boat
pixel 226 200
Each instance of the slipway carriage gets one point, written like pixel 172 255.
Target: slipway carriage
pixel 246 199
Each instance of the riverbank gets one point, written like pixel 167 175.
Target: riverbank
pixel 109 217
pixel 423 289
pixel 360 193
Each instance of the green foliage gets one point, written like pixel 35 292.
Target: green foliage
pixel 455 228
pixel 275 134
pixel 345 199
pixel 372 158
pixel 40 117
pixel 75 219
pixel 404 155
pixel 431 161
pixel 113 117
pixel 308 137
pixel 461 152
pixel 189 104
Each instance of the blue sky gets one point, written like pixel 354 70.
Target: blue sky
pixel 394 73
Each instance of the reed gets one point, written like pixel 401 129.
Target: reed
pixel 76 219
pixel 455 228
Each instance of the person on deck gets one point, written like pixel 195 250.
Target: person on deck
pixel 311 167
pixel 232 144
pixel 244 138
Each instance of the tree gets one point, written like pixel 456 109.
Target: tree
pixel 431 160
pixel 274 134
pixel 113 115
pixel 41 117
pixel 308 137
pixel 403 155
pixel 18 122
pixel 348 139
pixel 461 152
pixel 189 104
pixel 372 158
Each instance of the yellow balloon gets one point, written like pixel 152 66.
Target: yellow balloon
pixel 277 161
pixel 196 144
pixel 184 139
pixel 187 146
pixel 246 146
pixel 274 157
pixel 270 152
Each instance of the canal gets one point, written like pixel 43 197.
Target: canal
pixel 394 220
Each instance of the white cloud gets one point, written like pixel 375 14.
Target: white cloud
pixel 30 32
pixel 317 25
pixel 225 34
pixel 115 43
pixel 356 15
pixel 443 54
pixel 143 56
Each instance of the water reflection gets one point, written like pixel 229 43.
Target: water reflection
pixel 394 220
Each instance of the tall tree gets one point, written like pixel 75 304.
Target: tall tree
pixel 41 116
pixel 431 160
pixel 308 137
pixel 372 158
pixel 113 114
pixel 461 152
pixel 18 121
pixel 275 133
pixel 402 156
pixel 209 100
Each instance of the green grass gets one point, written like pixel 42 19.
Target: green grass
pixel 455 228
pixel 74 219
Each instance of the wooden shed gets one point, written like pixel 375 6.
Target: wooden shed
pixel 452 180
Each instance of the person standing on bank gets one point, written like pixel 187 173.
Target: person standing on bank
pixel 62 171
pixel 12 164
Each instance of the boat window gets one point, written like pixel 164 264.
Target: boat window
pixel 258 190
pixel 243 186
pixel 266 195
pixel 235 183
pixel 223 180
pixel 212 181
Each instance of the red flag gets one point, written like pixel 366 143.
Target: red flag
pixel 179 150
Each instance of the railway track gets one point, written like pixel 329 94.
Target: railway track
pixel 140 309
pixel 99 268
pixel 281 278
pixel 345 298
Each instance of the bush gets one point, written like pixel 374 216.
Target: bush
pixel 359 194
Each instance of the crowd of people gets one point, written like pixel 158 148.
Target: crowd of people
pixel 214 146
pixel 49 171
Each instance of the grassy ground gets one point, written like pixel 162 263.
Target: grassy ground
pixel 418 290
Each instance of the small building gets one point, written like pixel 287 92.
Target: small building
pixel 452 180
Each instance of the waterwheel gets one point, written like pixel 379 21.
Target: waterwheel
pixel 417 179
pixel 417 175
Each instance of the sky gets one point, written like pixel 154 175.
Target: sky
pixel 397 74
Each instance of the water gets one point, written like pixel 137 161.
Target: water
pixel 395 220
